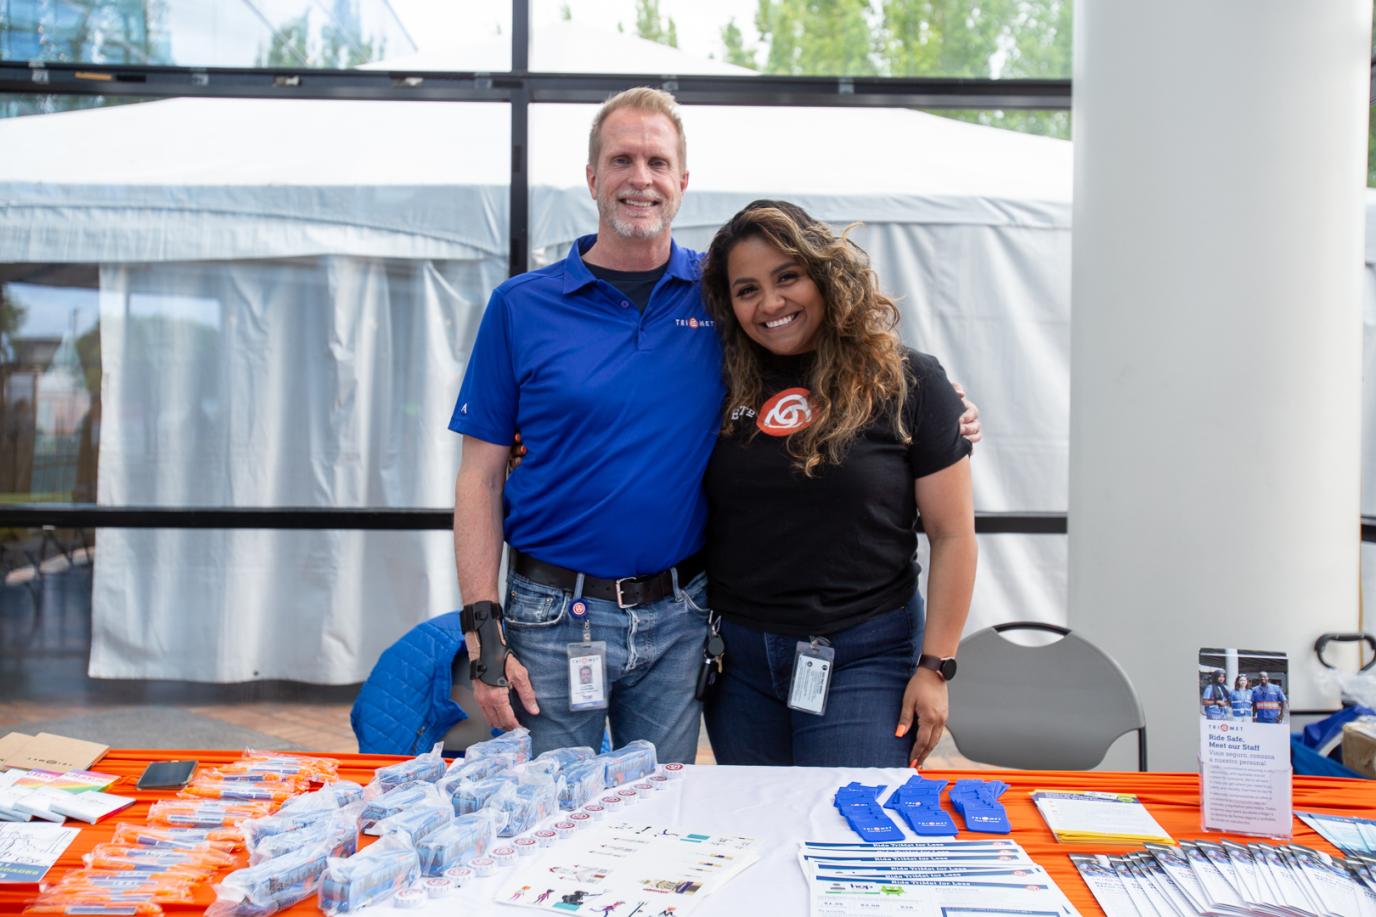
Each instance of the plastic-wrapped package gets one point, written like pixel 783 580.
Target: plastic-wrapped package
pixel 465 771
pixel 315 808
pixel 201 862
pixel 428 767
pixel 390 803
pixel 470 797
pixel 466 837
pixel 95 901
pixel 162 888
pixel 204 813
pixel 583 782
pixel 272 885
pixel 516 742
pixel 419 819
pixel 567 757
pixel 313 770
pixel 526 802
pixel 630 762
pixel 373 874
pixel 227 840
pixel 338 833
pixel 275 792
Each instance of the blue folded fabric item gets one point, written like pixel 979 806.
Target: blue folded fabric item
pixel 859 806
pixel 977 801
pixel 919 802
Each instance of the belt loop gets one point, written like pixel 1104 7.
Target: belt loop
pixel 578 587
pixel 673 578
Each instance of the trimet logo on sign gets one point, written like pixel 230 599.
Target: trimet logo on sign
pixel 785 413
pixel 695 323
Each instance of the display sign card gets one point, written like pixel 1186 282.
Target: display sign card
pixel 49 752
pixel 1244 742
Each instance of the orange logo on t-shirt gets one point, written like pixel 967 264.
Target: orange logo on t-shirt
pixel 785 413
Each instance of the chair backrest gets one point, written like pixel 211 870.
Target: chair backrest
pixel 1058 706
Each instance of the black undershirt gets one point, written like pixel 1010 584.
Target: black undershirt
pixel 634 285
pixel 795 555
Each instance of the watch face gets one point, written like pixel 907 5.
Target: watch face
pixel 948 669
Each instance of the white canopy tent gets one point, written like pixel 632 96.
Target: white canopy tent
pixel 289 290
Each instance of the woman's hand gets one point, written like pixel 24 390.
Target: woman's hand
pixel 924 700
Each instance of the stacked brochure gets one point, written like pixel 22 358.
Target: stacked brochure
pixel 1115 818
pixel 55 797
pixel 936 877
pixel 629 869
pixel 1353 836
pixel 1225 879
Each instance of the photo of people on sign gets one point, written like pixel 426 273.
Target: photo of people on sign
pixel 1243 686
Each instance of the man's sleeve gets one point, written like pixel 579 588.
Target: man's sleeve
pixel 488 397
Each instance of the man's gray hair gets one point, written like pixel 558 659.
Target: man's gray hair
pixel 640 98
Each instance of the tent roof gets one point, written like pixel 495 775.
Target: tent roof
pixel 232 178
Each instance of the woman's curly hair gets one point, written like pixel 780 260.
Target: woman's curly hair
pixel 860 370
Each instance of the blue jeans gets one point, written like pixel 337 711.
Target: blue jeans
pixel 654 652
pixel 748 718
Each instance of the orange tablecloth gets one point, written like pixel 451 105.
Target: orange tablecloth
pixel 1172 798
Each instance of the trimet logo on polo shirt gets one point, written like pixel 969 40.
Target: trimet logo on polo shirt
pixel 785 413
pixel 695 323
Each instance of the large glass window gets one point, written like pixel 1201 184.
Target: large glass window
pixel 951 38
pixel 258 33
pixel 198 322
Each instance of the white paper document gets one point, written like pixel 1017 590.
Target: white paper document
pixel 934 878
pixel 28 851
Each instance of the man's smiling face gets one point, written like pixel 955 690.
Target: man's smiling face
pixel 638 179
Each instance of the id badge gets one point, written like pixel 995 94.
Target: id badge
pixel 588 675
pixel 812 665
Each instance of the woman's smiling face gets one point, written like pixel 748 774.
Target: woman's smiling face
pixel 775 300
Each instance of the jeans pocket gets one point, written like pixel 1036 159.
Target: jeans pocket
pixel 532 605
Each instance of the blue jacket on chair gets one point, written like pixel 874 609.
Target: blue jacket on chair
pixel 406 705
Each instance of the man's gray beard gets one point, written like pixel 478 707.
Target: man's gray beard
pixel 638 231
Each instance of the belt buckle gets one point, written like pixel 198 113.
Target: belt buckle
pixel 620 602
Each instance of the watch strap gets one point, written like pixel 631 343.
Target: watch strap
pixel 945 666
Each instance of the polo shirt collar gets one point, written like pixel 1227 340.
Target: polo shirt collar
pixel 577 276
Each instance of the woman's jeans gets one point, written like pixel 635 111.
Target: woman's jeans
pixel 748 718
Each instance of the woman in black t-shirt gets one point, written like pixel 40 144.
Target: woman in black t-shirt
pixel 834 437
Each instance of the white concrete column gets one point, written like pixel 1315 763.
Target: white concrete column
pixel 1220 161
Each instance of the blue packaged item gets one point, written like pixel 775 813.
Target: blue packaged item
pixel 582 783
pixel 390 803
pixel 271 886
pixel 428 767
pixel 859 806
pixel 338 834
pixel 977 801
pixel 565 758
pixel 419 819
pixel 516 743
pixel 526 802
pixel 629 762
pixel 919 802
pixel 463 839
pixel 373 874
pixel 471 797
pixel 465 771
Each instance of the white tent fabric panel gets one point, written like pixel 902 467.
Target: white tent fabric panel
pixel 314 383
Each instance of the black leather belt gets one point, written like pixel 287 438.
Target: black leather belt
pixel 626 592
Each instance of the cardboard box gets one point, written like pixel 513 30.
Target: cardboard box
pixel 49 752
pixel 1359 745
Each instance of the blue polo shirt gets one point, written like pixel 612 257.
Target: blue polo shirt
pixel 619 410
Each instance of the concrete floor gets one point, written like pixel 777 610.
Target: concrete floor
pixel 45 642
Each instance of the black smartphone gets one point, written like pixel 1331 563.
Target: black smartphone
pixel 161 775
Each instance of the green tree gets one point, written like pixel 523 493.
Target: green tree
pixel 340 45
pixel 651 26
pixel 733 43
pixel 832 37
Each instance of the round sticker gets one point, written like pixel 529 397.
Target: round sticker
pixel 787 412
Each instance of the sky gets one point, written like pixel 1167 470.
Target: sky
pixel 698 22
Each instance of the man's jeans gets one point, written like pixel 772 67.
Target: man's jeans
pixel 749 720
pixel 654 652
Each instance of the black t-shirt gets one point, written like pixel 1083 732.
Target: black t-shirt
pixel 634 285
pixel 796 555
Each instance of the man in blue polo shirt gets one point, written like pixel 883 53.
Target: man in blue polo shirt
pixel 610 367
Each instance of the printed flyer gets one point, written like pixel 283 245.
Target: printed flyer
pixel 1244 742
